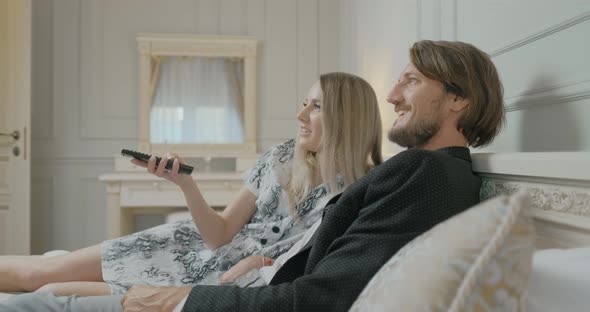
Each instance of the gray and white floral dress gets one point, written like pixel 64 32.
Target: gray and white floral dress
pixel 175 254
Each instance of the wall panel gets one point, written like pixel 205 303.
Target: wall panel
pixel 539 47
pixel 3 228
pixel 307 49
pixel 85 89
pixel 280 45
pixel 42 188
pixel 233 17
pixel 495 24
pixel 42 114
pixel 207 17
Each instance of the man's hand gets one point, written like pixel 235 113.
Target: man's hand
pixel 151 298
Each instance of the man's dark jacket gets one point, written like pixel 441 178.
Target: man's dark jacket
pixel 360 230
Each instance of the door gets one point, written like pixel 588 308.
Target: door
pixel 15 112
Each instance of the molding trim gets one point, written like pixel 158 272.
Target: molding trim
pixel 102 160
pixel 547 95
pixel 546 197
pixel 526 102
pixel 547 167
pixel 584 83
pixel 542 34
pixel 559 190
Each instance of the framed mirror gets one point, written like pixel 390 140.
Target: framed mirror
pixel 197 95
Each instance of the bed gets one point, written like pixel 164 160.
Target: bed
pixel 559 188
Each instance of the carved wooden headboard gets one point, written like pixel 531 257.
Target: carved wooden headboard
pixel 559 185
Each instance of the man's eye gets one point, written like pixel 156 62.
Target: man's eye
pixel 412 80
pixel 317 107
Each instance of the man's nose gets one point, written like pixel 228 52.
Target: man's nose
pixel 395 96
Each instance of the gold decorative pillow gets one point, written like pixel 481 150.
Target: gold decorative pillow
pixel 478 260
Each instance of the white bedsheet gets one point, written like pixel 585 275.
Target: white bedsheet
pixel 4 296
pixel 560 281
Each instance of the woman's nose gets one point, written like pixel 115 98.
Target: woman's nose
pixel 303 114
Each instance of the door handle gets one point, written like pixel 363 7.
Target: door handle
pixel 14 134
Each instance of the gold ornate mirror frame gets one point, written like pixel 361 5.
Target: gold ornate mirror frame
pixel 151 46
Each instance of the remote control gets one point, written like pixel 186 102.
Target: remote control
pixel 185 169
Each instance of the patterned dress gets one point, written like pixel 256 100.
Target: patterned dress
pixel 175 254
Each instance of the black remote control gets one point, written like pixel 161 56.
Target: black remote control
pixel 185 169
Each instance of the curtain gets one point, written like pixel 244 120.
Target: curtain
pixel 198 100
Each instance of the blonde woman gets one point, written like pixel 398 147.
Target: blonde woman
pixel 338 142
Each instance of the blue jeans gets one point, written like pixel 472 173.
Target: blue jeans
pixel 47 302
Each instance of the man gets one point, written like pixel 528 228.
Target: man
pixel 447 98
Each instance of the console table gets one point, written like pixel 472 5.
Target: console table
pixel 131 193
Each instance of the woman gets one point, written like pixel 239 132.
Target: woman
pixel 339 141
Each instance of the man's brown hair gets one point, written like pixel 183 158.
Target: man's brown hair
pixel 467 72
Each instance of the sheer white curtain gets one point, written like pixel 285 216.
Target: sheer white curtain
pixel 198 100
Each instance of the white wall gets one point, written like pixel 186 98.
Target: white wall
pixel 85 86
pixel 540 48
pixel 375 36
pixel 85 89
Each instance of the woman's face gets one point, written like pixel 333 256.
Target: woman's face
pixel 310 119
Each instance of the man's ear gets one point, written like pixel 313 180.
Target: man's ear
pixel 459 104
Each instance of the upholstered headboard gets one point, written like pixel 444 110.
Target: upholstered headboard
pixel 559 185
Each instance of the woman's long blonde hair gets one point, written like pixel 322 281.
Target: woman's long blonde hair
pixel 351 139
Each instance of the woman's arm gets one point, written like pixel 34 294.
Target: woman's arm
pixel 218 229
pixel 215 229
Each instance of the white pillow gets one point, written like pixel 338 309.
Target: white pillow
pixel 55 253
pixel 478 260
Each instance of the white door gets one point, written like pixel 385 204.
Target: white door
pixel 15 111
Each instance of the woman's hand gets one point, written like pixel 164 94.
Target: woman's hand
pixel 160 170
pixel 245 266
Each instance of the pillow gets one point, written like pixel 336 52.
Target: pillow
pixel 478 260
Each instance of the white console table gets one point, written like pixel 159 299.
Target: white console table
pixel 131 193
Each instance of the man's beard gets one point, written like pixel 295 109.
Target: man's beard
pixel 418 132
